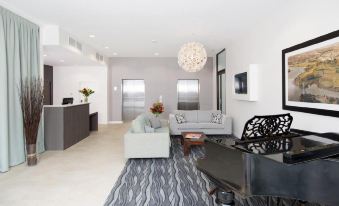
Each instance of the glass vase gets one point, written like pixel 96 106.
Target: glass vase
pixel 31 154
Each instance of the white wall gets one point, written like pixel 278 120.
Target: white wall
pixel 291 25
pixel 67 82
pixel 161 75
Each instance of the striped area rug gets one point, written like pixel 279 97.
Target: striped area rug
pixel 163 182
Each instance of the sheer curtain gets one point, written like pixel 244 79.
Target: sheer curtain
pixel 19 58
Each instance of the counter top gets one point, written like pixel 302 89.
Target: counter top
pixel 66 105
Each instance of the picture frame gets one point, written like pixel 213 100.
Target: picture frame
pixel 310 76
pixel 245 84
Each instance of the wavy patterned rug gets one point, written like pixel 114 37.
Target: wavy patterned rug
pixel 162 182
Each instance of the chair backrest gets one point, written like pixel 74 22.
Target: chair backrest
pixel 267 126
pixel 67 100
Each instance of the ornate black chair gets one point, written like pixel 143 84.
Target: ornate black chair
pixel 267 126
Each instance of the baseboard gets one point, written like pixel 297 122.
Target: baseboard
pixel 115 122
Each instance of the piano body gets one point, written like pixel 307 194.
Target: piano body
pixel 282 168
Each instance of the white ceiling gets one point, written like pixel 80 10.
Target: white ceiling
pixel 127 27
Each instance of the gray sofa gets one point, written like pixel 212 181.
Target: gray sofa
pixel 200 121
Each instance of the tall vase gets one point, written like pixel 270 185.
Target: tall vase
pixel 86 99
pixel 31 154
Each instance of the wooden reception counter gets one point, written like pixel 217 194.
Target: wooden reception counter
pixel 65 125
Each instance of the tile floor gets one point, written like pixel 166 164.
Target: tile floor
pixel 82 175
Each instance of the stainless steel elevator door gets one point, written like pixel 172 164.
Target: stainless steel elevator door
pixel 188 94
pixel 133 98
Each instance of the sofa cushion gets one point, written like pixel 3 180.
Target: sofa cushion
pixel 189 125
pixel 211 126
pixel 205 116
pixel 192 126
pixel 216 118
pixel 149 129
pixel 190 116
pixel 180 118
pixel 162 130
pixel 138 124
pixel 147 121
pixel 155 122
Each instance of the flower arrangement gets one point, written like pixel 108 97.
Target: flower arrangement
pixel 86 92
pixel 157 108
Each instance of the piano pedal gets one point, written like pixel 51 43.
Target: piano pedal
pixel 224 198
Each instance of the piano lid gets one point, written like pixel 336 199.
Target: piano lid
pixel 292 150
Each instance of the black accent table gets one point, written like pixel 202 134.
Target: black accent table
pixel 93 121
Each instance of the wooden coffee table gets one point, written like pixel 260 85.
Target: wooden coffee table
pixel 188 142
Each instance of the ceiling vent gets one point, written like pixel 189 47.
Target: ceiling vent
pixel 79 46
pixel 99 57
pixel 74 43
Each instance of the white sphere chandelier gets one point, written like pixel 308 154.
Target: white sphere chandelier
pixel 192 57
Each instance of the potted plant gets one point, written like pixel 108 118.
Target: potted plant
pixel 157 108
pixel 86 92
pixel 31 100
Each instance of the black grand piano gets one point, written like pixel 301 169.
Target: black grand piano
pixel 271 165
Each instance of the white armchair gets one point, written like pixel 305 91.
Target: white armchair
pixel 147 145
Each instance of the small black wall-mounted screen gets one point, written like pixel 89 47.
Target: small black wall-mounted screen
pixel 240 83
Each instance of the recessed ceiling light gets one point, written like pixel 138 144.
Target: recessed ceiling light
pixel 115 53
pixel 156 54
pixel 45 55
pixel 106 47
pixel 91 36
pixel 61 60
pixel 154 41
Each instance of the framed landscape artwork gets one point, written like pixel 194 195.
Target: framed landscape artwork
pixel 311 76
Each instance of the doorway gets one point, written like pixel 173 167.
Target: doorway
pixel 221 80
pixel 48 85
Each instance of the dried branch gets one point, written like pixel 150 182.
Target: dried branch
pixel 31 99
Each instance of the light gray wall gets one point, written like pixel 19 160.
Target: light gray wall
pixel 160 75
pixel 263 46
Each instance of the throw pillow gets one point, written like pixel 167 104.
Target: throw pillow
pixel 149 129
pixel 155 122
pixel 138 125
pixel 180 118
pixel 216 118
pixel 147 122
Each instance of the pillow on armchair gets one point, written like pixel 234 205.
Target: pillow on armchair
pixel 149 129
pixel 155 122
pixel 138 124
